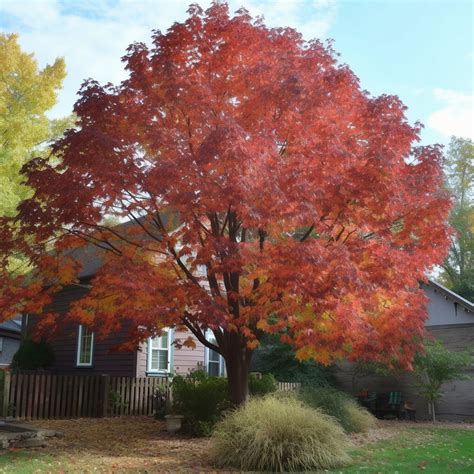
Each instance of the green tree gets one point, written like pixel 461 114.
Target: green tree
pixel 26 94
pixel 274 357
pixel 437 366
pixel 459 265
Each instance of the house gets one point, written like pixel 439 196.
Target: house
pixel 10 335
pixel 77 351
pixel 451 321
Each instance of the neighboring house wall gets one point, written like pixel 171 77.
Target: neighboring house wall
pixel 104 360
pixel 443 310
pixel 451 323
pixel 186 360
pixel 458 399
pixel 183 360
pixel 9 344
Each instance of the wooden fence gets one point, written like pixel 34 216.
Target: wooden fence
pixel 288 386
pixel 31 396
pixel 39 396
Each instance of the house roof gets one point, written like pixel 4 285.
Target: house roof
pixel 451 295
pixel 91 256
pixel 14 325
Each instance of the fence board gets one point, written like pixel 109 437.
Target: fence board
pixel 47 395
pixel 288 386
pixel 24 396
pixel 53 402
pixel 9 395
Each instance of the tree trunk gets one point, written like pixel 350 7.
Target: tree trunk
pixel 433 411
pixel 238 367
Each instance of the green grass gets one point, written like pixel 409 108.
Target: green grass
pixel 29 461
pixel 431 450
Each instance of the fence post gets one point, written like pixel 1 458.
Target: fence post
pixel 169 394
pixel 6 392
pixel 104 395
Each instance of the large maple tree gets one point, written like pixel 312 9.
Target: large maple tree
pixel 301 204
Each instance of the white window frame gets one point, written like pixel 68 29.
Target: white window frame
pixel 210 337
pixel 149 369
pixel 79 344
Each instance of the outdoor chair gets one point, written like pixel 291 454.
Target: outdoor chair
pixel 389 405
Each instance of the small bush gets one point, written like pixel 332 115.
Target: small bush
pixel 341 406
pixel 33 355
pixel 278 434
pixel 263 385
pixel 115 402
pixel 201 399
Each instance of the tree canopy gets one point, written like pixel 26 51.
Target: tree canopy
pixel 26 94
pixel 459 265
pixel 304 205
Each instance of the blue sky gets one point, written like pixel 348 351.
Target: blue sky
pixel 420 50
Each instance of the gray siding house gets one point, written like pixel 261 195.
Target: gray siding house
pixel 10 335
pixel 78 351
pixel 451 321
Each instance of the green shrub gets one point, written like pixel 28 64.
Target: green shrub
pixel 274 357
pixel 201 399
pixel 278 434
pixel 341 406
pixel 2 384
pixel 115 402
pixel 33 355
pixel 263 385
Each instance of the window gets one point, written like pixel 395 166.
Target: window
pixel 159 352
pixel 85 346
pixel 214 361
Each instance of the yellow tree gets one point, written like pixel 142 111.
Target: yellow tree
pixel 26 94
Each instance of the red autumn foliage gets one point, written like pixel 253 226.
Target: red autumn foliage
pixel 302 205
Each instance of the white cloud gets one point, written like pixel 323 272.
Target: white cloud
pixel 313 18
pixel 92 35
pixel 456 116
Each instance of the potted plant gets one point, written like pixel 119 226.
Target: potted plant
pixel 173 422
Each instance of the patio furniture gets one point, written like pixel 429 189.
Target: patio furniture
pixel 389 405
pixel 409 411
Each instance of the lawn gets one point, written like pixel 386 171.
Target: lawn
pixel 142 445
pixel 441 449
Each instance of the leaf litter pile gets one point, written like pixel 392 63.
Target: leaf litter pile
pixel 128 443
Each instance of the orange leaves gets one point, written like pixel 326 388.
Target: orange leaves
pixel 188 342
pixel 253 344
pixel 257 187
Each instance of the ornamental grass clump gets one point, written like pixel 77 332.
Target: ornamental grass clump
pixel 359 419
pixel 278 434
pixel 352 417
